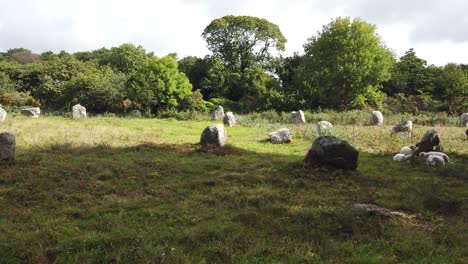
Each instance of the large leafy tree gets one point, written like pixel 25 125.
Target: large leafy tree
pixel 452 88
pixel 345 64
pixel 409 76
pixel 243 41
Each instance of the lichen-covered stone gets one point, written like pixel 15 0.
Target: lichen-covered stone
pixel 32 112
pixel 297 117
pixel 214 135
pixel 229 119
pixel 218 113
pixel 324 127
pixel 3 115
pixel 376 118
pixel 429 142
pixel 78 111
pixel 280 136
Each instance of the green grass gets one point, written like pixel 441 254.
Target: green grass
pixel 121 190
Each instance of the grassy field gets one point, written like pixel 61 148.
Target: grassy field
pixel 121 190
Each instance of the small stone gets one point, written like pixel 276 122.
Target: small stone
pixel 464 120
pixel 297 117
pixel 280 136
pixel 33 112
pixel 218 113
pixel 229 119
pixel 3 115
pixel 323 128
pixel 135 113
pixel 376 118
pixel 405 127
pixel 78 111
pixel 7 147
pixel 213 135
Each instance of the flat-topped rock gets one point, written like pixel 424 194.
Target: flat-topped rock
pixel 78 111
pixel 31 112
pixel 280 136
pixel 214 135
pixel 376 118
pixel 330 151
pixel 229 119
pixel 7 147
pixel 297 117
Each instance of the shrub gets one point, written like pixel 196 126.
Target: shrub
pixel 18 99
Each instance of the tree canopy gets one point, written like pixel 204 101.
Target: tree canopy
pixel 345 64
pixel 242 41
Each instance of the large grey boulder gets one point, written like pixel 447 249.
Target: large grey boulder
pixel 323 127
pixel 297 117
pixel 214 135
pixel 229 119
pixel 31 112
pixel 376 118
pixel 3 115
pixel 135 113
pixel 7 147
pixel 464 119
pixel 218 113
pixel 78 111
pixel 429 142
pixel 280 136
pixel 329 151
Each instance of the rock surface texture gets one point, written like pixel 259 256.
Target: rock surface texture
pixel 7 147
pixel 218 113
pixel 297 117
pixel 376 118
pixel 429 142
pixel 464 119
pixel 3 115
pixel 280 136
pixel 214 135
pixel 78 111
pixel 229 119
pixel 329 151
pixel 32 112
pixel 324 127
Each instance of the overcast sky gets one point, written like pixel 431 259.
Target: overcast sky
pixel 436 29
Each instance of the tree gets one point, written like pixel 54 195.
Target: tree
pixel 452 88
pixel 158 84
pixel 345 64
pixel 409 76
pixel 243 41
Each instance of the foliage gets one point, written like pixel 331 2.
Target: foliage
pixel 345 64
pixel 158 84
pixel 243 41
pixel 18 99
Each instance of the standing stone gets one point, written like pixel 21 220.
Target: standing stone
pixel 135 113
pixel 7 147
pixel 280 136
pixel 218 113
pixel 229 119
pixel 323 127
pixel 32 112
pixel 376 118
pixel 213 135
pixel 405 127
pixel 329 151
pixel 297 117
pixel 464 119
pixel 3 115
pixel 429 142
pixel 78 111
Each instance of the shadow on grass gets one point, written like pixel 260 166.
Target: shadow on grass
pixel 76 203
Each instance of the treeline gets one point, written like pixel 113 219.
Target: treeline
pixel 345 66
